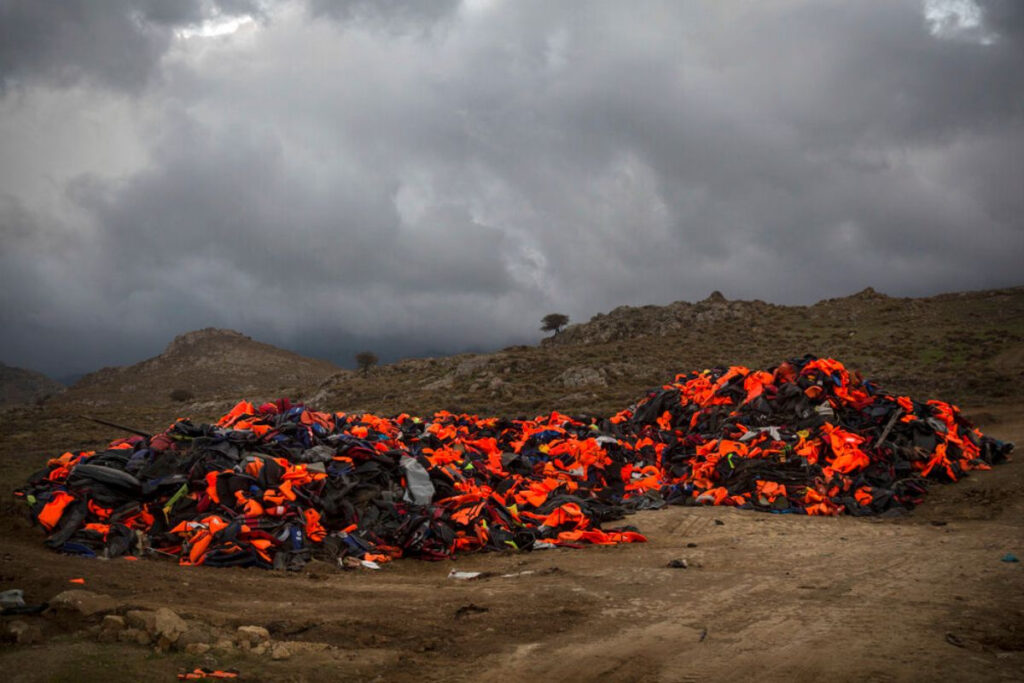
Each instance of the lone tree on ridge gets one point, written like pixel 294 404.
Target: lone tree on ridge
pixel 553 322
pixel 366 360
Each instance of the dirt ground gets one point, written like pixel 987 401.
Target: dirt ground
pixel 772 597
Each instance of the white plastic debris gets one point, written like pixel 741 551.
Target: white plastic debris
pixel 463 576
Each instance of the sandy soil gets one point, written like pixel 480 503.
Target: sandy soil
pixel 771 597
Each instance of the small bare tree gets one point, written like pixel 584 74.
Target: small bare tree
pixel 366 360
pixel 553 322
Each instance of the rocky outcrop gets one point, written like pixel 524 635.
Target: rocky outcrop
pixel 629 322
pixel 632 322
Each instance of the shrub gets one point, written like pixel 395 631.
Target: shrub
pixel 181 395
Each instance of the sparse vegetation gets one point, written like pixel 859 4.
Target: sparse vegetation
pixel 553 322
pixel 181 395
pixel 366 360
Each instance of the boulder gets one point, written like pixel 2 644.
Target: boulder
pixel 85 603
pixel 23 633
pixel 167 624
pixel 252 635
pixel 112 623
pixel 143 620
pixel 134 635
pixel 579 376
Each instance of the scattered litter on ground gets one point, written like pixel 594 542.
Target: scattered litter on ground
pixel 1010 557
pixel 14 597
pixel 25 610
pixel 276 485
pixel 955 640
pixel 464 576
pixel 678 564
pixel 469 609
pixel 201 673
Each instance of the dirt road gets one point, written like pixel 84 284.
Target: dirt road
pixel 771 597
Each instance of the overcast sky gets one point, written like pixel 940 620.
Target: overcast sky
pixel 431 177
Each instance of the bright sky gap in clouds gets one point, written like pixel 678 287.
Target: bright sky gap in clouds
pixel 211 28
pixel 431 177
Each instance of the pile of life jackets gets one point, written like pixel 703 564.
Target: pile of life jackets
pixel 277 484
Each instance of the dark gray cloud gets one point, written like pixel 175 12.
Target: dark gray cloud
pixel 115 43
pixel 1005 18
pixel 433 177
pixel 390 15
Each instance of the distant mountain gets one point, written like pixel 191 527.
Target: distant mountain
pixel 18 386
pixel 206 364
pixel 68 380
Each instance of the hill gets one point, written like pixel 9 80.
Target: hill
pixel 206 364
pixel 966 347
pixel 18 386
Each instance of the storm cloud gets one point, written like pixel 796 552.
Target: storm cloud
pixel 421 178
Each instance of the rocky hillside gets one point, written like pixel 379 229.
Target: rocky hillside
pixel 631 322
pixel 627 322
pixel 966 347
pixel 19 386
pixel 207 364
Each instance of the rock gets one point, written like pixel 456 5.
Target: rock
pixel 85 603
pixel 224 645
pixel 576 377
pixel 280 651
pixel 252 635
pixel 474 364
pixel 303 647
pixel 197 648
pixel 260 649
pixel 112 623
pixel 135 635
pixel 108 636
pixel 196 632
pixel 868 294
pixel 144 620
pixel 499 388
pixel 23 633
pixel 167 625
pixel 440 384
